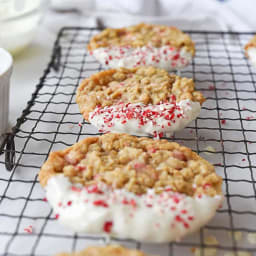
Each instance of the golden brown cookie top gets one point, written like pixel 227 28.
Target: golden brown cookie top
pixel 142 35
pixel 111 250
pixel 134 164
pixel 145 84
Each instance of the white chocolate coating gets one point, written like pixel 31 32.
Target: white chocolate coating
pixel 139 119
pixel 149 217
pixel 166 57
pixel 252 55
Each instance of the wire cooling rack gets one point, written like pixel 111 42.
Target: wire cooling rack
pixel 224 134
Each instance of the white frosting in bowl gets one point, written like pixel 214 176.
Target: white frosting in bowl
pixel 149 217
pixel 5 61
pixel 139 119
pixel 166 57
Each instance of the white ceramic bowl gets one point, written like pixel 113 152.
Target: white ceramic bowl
pixel 5 74
pixel 19 21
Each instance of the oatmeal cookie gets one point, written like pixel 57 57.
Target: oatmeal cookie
pixel 250 50
pixel 141 101
pixel 129 187
pixel 111 250
pixel 143 44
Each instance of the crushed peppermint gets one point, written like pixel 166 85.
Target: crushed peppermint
pixel 146 55
pixel 94 189
pixel 108 226
pixel 251 237
pixel 100 203
pixel 29 229
pixel 124 112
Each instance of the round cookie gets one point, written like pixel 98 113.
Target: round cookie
pixel 250 50
pixel 140 101
pixel 143 44
pixel 128 187
pixel 110 250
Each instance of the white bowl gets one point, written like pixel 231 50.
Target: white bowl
pixel 5 74
pixel 19 22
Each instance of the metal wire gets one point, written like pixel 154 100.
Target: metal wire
pixel 51 121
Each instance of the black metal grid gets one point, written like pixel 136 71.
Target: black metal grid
pixel 51 121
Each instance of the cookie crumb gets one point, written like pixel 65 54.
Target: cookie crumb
pixel 237 235
pixel 251 237
pixel 237 254
pixel 211 149
pixel 209 240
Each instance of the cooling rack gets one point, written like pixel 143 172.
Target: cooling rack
pixel 224 134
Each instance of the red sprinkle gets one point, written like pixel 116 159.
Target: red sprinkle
pixel 176 56
pixel 139 166
pixel 28 229
pixel 205 186
pixel 186 225
pixel 94 189
pixel 100 203
pixel 57 216
pixel 176 199
pixel 45 199
pixel 152 150
pixel 133 203
pixel 76 189
pixel 80 168
pixel 69 203
pixel 178 218
pixel 190 218
pixel 125 201
pixel 108 226
pixel 223 121
pixel 184 211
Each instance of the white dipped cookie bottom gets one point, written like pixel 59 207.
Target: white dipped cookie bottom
pixel 165 57
pixel 142 120
pixel 149 217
